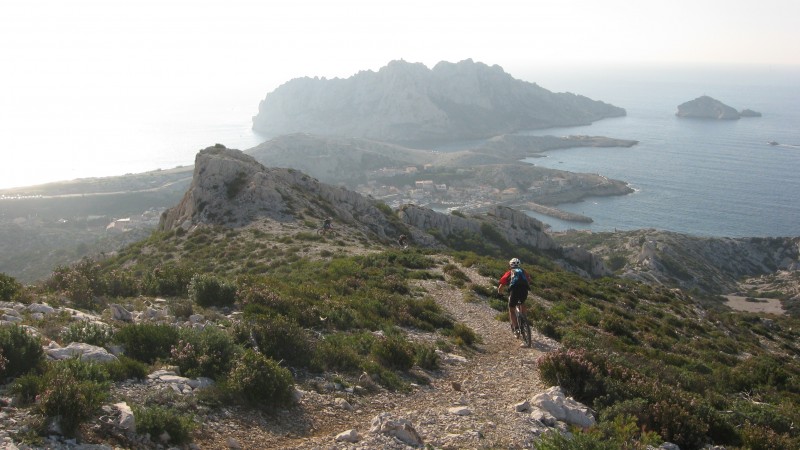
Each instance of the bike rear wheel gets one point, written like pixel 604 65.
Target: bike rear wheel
pixel 524 329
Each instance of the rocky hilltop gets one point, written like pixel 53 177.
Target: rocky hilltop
pixel 706 107
pixel 711 265
pixel 408 102
pixel 233 189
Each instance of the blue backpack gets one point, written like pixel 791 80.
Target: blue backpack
pixel 518 280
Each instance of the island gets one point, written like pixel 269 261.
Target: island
pixel 706 107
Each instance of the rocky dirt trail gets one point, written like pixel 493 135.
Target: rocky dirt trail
pixel 469 402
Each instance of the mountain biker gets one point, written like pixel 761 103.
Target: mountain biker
pixel 516 295
pixel 403 241
pixel 326 224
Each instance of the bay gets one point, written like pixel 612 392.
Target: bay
pixel 701 177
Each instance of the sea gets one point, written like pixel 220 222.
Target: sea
pixel 718 178
pixel 700 177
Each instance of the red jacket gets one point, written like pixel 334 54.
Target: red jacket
pixel 506 278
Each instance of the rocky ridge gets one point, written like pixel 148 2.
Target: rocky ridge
pixel 712 265
pixel 408 102
pixel 233 189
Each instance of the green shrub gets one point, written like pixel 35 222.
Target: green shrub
pixel 125 368
pixel 167 280
pixel 206 290
pixel 260 381
pixel 282 339
pixel 21 351
pixel 676 424
pixel 181 308
pixel 343 352
pixel 571 370
pixel 755 437
pixel 461 334
pixel 25 388
pixel 425 356
pixel 73 390
pixel 87 333
pixel 80 283
pixel 156 420
pixel 207 352
pixel 9 288
pixel 120 283
pixel 394 352
pixel 147 342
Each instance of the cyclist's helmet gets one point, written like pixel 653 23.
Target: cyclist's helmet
pixel 514 263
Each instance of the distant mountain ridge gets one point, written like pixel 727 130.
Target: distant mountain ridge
pixel 405 102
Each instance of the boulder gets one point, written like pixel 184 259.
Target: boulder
pixel 563 408
pixel 399 428
pixel 85 352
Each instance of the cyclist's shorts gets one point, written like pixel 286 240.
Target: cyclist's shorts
pixel 517 298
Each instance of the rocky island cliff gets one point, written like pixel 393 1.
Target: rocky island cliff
pixel 706 107
pixel 408 102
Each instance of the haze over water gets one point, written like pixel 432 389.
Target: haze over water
pixel 711 178
pixel 702 177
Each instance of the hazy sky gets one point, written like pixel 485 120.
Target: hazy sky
pixel 113 44
pixel 60 53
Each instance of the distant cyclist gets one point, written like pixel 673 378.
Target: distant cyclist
pixel 518 282
pixel 403 241
pixel 327 226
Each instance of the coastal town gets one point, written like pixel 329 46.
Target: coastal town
pixel 471 190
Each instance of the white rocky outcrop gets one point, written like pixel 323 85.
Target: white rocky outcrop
pixel 399 428
pixel 554 403
pixel 85 352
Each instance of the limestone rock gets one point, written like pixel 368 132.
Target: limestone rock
pixel 399 428
pixel 563 408
pixel 85 352
pixel 127 421
pixel 350 436
pixel 118 312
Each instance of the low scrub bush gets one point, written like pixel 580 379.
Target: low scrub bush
pixel 207 352
pixel 20 351
pixel 207 290
pixel 9 288
pixel 394 352
pixel 87 333
pixel 462 335
pixel 425 356
pixel 125 368
pixel 573 371
pixel 147 342
pixel 343 352
pixel 73 390
pixel 280 339
pixel 156 420
pixel 259 381
pixel 167 280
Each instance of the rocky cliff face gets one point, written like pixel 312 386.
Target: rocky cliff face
pixel 233 189
pixel 409 102
pixel 706 107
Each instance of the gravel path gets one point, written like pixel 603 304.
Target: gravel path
pixel 469 403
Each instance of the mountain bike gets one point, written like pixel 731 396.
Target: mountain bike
pixel 524 326
pixel 323 231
